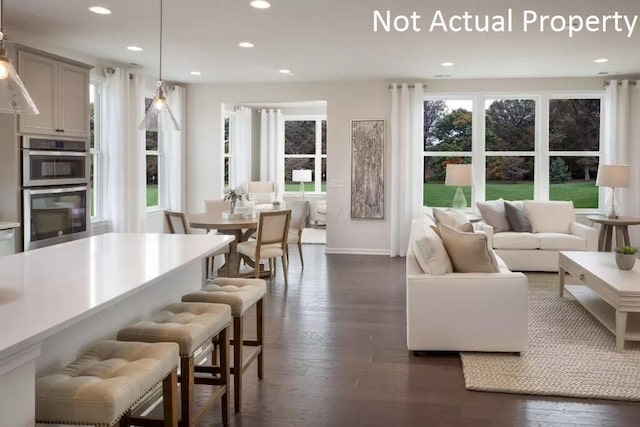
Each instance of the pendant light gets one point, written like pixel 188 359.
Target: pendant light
pixel 14 97
pixel 159 115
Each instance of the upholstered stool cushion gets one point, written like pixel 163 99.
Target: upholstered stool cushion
pixel 239 294
pixel 188 324
pixel 104 383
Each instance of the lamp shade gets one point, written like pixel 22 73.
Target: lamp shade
pixel 459 175
pixel 301 175
pixel 14 98
pixel 616 176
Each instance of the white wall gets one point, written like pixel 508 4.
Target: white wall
pixel 345 101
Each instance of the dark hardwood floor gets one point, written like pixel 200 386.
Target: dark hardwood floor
pixel 335 355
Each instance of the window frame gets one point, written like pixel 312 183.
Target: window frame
pixel 317 156
pixel 541 153
pixel 96 153
pixel 159 153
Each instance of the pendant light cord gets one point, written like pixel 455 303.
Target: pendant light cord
pixel 2 17
pixel 161 1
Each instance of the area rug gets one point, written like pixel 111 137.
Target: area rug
pixel 570 354
pixel 314 236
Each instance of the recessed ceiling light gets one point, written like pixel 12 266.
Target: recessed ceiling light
pixel 135 48
pixel 285 71
pixel 603 73
pixel 196 73
pixel 260 4
pixel 447 64
pixel 100 10
pixel 442 76
pixel 600 60
pixel 246 44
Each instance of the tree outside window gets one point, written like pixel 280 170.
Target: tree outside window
pixel 305 147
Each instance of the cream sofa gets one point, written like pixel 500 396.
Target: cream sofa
pixel 554 229
pixel 464 311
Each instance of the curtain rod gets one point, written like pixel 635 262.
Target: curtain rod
pixel 631 82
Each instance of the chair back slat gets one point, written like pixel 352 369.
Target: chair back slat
pixel 299 213
pixel 273 227
pixel 217 206
pixel 178 222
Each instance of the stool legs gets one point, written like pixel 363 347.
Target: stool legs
pixel 186 389
pixel 170 399
pixel 259 337
pixel 237 361
pixel 225 374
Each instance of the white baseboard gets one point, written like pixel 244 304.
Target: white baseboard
pixel 356 251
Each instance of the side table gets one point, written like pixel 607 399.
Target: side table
pixel 610 225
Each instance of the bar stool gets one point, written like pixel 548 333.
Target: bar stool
pixel 190 325
pixel 103 385
pixel 240 295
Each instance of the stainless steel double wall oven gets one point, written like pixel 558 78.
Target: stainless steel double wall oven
pixel 55 190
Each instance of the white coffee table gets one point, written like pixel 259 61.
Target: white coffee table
pixel 609 293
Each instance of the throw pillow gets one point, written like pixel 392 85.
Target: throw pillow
pixel 452 218
pixel 550 217
pixel 516 217
pixel 469 252
pixel 493 213
pixel 428 249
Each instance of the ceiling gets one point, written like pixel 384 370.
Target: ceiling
pixel 322 40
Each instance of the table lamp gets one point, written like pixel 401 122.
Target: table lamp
pixel 613 176
pixel 301 176
pixel 459 175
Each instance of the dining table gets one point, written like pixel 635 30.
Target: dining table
pixel 242 227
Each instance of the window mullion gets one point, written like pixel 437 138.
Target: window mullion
pixel 541 170
pixel 478 145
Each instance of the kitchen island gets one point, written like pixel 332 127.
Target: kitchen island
pixel 59 300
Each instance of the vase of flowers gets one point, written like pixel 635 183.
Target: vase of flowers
pixel 233 195
pixel 276 205
pixel 626 257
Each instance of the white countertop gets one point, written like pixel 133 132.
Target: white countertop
pixel 46 290
pixel 7 225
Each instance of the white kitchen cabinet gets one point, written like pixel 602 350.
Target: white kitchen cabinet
pixel 8 238
pixel 60 90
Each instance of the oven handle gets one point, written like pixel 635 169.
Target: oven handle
pixel 57 190
pixel 57 153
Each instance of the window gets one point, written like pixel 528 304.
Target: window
pixel 574 150
pixel 509 148
pixel 227 150
pixel 448 126
pixel 305 147
pixel 519 158
pixel 95 147
pixel 153 154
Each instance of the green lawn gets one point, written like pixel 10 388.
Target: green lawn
pixel 152 195
pixel 583 194
pixel 309 187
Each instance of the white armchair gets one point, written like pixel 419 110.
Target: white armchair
pixel 320 213
pixel 262 192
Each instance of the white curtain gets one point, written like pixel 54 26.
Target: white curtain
pixel 125 174
pixel 622 143
pixel 173 146
pixel 240 145
pixel 407 109
pixel 271 146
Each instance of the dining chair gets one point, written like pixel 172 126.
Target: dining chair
pixel 179 224
pixel 299 213
pixel 217 206
pixel 270 242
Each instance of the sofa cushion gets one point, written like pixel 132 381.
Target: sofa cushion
pixel 550 217
pixel 469 252
pixel 493 214
pixel 452 218
pixel 561 242
pixel 516 217
pixel 428 248
pixel 513 240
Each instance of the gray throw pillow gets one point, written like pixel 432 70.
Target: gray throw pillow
pixel 493 214
pixel 468 252
pixel 517 218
